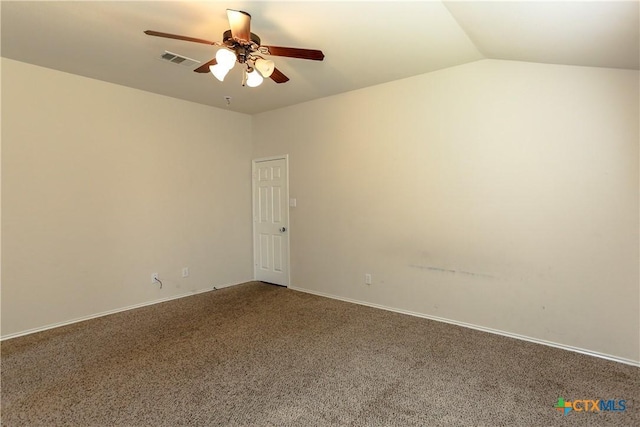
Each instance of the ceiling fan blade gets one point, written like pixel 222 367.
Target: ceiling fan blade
pixel 177 37
pixel 204 68
pixel 293 52
pixel 240 23
pixel 278 77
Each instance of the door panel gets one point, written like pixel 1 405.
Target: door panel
pixel 276 197
pixel 264 251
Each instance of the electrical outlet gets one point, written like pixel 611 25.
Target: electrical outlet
pixel 185 272
pixel 367 279
pixel 154 278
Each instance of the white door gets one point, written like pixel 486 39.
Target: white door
pixel 271 221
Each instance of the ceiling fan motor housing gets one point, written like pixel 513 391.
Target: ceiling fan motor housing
pixel 229 40
pixel 242 48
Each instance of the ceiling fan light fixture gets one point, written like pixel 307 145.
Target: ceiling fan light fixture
pixel 254 79
pixel 265 67
pixel 226 58
pixel 219 71
pixel 240 45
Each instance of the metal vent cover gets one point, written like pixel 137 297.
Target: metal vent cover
pixel 178 59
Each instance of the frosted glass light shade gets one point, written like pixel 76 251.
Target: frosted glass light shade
pixel 226 58
pixel 218 70
pixel 254 79
pixel 265 67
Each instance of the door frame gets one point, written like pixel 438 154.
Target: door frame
pixel 284 157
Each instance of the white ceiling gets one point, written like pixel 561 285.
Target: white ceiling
pixel 365 43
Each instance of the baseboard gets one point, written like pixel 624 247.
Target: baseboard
pixel 114 311
pixel 476 327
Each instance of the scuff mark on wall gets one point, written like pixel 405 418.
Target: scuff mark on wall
pixel 446 270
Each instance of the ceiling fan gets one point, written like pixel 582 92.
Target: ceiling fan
pixel 240 45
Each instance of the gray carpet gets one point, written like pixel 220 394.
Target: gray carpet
pixel 261 355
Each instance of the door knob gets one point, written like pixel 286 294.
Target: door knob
pixel 283 229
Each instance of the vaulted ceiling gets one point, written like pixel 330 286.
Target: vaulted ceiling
pixel 365 43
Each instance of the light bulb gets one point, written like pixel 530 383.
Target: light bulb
pixel 265 67
pixel 254 79
pixel 226 58
pixel 218 70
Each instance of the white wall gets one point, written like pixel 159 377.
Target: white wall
pixel 500 194
pixel 102 185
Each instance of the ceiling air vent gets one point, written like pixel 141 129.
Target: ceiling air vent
pixel 178 59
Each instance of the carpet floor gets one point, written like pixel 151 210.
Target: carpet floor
pixel 262 355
